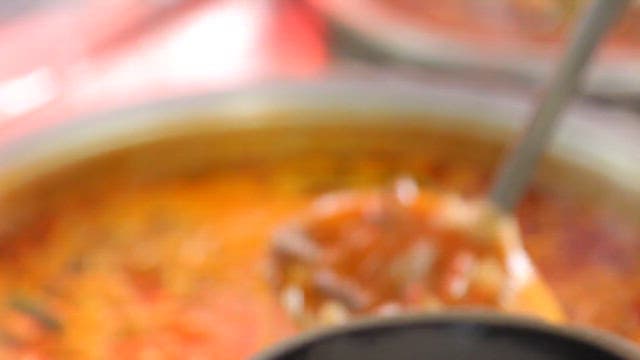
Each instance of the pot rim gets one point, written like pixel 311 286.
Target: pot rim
pixel 583 137
pixel 598 338
pixel 393 36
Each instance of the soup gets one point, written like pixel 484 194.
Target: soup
pixel 402 248
pixel 163 250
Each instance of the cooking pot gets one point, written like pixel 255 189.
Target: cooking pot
pixel 595 154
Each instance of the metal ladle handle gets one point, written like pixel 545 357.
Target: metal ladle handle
pixel 514 175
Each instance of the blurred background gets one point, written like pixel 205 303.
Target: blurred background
pixel 64 58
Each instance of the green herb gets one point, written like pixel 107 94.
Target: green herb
pixel 36 311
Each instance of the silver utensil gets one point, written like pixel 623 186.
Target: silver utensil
pixel 515 173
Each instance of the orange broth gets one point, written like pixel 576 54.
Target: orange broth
pixel 178 267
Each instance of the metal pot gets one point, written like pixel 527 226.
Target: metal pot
pixel 596 148
pixel 383 31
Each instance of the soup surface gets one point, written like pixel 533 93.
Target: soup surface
pixel 179 266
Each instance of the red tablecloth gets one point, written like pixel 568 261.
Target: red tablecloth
pixel 68 60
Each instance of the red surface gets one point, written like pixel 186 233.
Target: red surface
pixel 67 61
